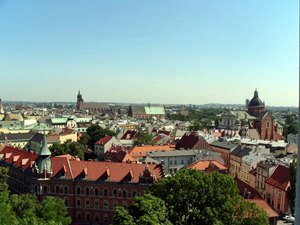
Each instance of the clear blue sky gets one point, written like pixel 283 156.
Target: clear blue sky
pixel 162 51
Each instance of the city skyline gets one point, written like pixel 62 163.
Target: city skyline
pixel 168 52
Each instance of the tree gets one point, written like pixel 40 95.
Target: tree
pixel 25 207
pixel 95 132
pixel 146 210
pixel 69 147
pixel 52 210
pixel 292 188
pixel 194 198
pixel 7 215
pixel 122 217
pixel 143 138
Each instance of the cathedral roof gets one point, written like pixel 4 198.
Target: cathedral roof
pixel 256 101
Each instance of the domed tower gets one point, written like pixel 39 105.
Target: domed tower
pixel 79 101
pixel 44 160
pixel 256 107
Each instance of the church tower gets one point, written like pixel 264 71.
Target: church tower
pixel 44 160
pixel 256 107
pixel 1 107
pixel 79 101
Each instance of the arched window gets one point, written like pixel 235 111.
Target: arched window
pixel 115 193
pixel 105 192
pixel 124 194
pixel 87 191
pixel 78 190
pixel 45 189
pixel 57 189
pixel 66 189
pixel 96 191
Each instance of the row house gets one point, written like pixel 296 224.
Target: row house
pixel 277 186
pixel 104 144
pixel 90 190
pixel 225 149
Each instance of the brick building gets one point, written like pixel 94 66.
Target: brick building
pixel 90 190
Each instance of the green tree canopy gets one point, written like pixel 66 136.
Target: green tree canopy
pixel 69 147
pixel 146 210
pixel 26 210
pixel 94 133
pixel 52 209
pixel 143 138
pixel 194 198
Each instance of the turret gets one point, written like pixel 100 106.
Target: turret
pixel 44 160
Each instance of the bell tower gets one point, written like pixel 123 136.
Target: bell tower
pixel 79 101
pixel 1 107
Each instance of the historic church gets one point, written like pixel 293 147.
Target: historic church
pixel 255 122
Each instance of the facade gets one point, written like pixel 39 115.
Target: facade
pixel 192 140
pixel 225 149
pixel 256 122
pixel 90 190
pixel 104 144
pixel 277 186
pixel 264 170
pixel 147 112
pixel 19 140
pixel 90 106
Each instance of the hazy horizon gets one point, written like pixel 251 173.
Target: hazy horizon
pixel 139 51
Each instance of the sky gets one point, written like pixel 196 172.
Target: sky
pixel 158 51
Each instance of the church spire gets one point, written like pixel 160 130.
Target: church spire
pixel 44 160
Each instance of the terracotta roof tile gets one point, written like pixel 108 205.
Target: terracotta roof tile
pixel 280 178
pixel 141 151
pixel 104 140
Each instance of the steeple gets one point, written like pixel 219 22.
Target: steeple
pixel 44 151
pixel 44 160
pixel 255 93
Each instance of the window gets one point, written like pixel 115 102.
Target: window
pixel 182 161
pixel 134 193
pixel 78 203
pixel 88 217
pixel 78 190
pixel 105 219
pixel 105 204
pixel 115 204
pixel 175 162
pixel 66 189
pixel 105 192
pixel 78 216
pixel 171 162
pixel 124 194
pixel 66 202
pixel 96 191
pixel 57 189
pixel 115 193
pixel 87 191
pixel 45 188
pixel 97 219
pixel 87 203
pixel 96 204
pixel 268 124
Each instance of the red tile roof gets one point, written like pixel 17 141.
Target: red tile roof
pixel 207 165
pixel 141 151
pixel 252 192
pixel 280 178
pixel 18 157
pixel 115 171
pixel 265 206
pixel 104 140
pixel 129 134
